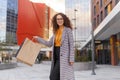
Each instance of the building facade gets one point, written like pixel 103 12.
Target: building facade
pixel 33 20
pixel 100 9
pixel 106 24
pixel 11 27
pixel 108 50
pixel 8 20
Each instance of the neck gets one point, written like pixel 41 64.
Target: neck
pixel 61 26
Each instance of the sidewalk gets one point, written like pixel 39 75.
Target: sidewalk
pixel 41 72
pixel 103 72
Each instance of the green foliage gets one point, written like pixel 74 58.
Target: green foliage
pixel 89 55
pixel 1 49
pixel 81 58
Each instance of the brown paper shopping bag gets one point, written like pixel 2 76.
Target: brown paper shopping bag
pixel 28 52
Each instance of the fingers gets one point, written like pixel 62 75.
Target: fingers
pixel 71 63
pixel 35 38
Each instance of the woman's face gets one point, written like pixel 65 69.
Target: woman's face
pixel 60 20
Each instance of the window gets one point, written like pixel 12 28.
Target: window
pixel 109 7
pixel 101 16
pixel 97 7
pixel 118 44
pixel 94 10
pixel 98 20
pixel 94 24
pixel 106 11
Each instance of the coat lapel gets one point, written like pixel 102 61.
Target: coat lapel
pixel 63 35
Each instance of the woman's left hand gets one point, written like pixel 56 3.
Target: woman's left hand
pixel 71 63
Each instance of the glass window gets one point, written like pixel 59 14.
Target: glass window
pixel 97 7
pixel 11 16
pixel 109 7
pixel 101 16
pixel 94 23
pixel 106 11
pixel 98 20
pixel 118 45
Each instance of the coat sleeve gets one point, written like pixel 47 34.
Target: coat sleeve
pixel 71 45
pixel 47 43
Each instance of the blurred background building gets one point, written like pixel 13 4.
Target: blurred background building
pixel 8 20
pixel 25 18
pixel 35 17
pixel 105 17
pixel 39 11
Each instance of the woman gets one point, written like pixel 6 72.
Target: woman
pixel 63 49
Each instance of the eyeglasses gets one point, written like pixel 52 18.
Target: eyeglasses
pixel 59 18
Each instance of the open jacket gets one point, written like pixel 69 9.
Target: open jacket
pixel 66 53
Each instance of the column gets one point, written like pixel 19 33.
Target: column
pixel 113 50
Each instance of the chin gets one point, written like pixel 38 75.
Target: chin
pixel 60 24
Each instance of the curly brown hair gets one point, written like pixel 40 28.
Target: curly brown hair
pixel 66 23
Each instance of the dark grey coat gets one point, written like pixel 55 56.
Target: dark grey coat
pixel 66 54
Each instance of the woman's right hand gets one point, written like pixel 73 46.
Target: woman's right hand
pixel 35 38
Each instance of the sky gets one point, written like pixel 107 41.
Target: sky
pixel 2 19
pixel 83 21
pixel 57 5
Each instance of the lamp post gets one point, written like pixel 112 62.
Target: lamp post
pixel 93 51
pixel 75 10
